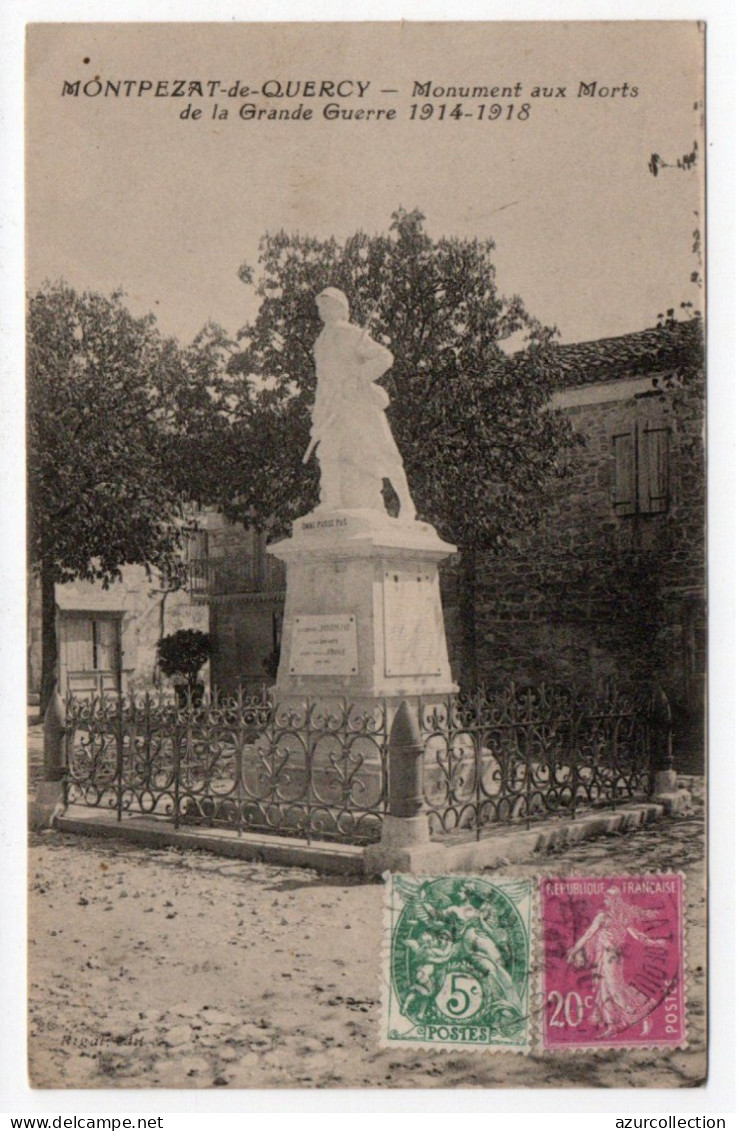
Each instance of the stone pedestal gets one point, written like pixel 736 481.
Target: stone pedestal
pixel 47 805
pixel 362 617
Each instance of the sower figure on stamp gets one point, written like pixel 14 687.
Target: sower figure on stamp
pixel 617 1004
pixel 355 446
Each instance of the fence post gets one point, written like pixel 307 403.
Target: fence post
pixel 176 749
pixel 664 779
pixel 49 801
pixel 660 730
pixel 405 765
pixel 118 754
pixel 55 726
pixel 406 821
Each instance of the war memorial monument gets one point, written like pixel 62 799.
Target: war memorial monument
pixel 363 617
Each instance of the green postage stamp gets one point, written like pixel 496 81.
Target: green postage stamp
pixel 456 966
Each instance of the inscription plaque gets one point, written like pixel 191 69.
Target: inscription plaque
pixel 412 631
pixel 324 645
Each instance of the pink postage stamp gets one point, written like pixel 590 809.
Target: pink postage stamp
pixel 613 961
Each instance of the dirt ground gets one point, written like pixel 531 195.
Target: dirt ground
pixel 179 969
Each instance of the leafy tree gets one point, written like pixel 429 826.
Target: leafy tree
pixel 471 422
pixel 112 430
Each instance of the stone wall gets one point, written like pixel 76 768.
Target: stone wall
pixel 595 592
pixel 242 625
pixel 243 631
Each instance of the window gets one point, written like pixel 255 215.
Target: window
pixel 641 479
pixel 190 568
pixel 90 657
pixel 196 554
pixel 195 545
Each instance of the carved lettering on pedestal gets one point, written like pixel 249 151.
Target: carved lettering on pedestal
pixel 324 645
pixel 323 524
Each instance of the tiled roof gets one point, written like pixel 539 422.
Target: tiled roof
pixel 656 350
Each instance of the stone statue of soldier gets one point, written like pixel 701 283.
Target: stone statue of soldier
pixel 355 448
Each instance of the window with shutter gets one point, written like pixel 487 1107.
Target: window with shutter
pixel 641 470
pixel 78 641
pixel 653 479
pixel 90 656
pixel 107 649
pixel 625 473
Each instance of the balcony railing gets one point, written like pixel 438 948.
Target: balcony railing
pixel 235 573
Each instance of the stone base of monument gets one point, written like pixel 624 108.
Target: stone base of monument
pixel 362 617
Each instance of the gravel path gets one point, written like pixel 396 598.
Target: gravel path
pixel 180 969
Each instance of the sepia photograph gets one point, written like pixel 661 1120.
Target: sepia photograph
pixel 366 594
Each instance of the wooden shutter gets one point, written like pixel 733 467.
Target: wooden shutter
pixel 108 645
pixel 653 485
pixel 78 638
pixel 625 473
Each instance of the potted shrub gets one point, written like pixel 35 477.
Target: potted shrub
pixel 181 656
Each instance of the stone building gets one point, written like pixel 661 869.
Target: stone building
pixel 107 637
pixel 611 584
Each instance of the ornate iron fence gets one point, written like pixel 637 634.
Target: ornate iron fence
pixel 320 769
pixel 521 754
pixel 303 769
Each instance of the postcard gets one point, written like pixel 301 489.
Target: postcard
pixel 367 561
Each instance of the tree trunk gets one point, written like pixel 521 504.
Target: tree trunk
pixel 49 648
pixel 467 618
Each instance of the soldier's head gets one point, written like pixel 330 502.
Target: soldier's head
pixel 332 305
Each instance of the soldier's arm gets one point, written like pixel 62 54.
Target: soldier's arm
pixel 374 357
